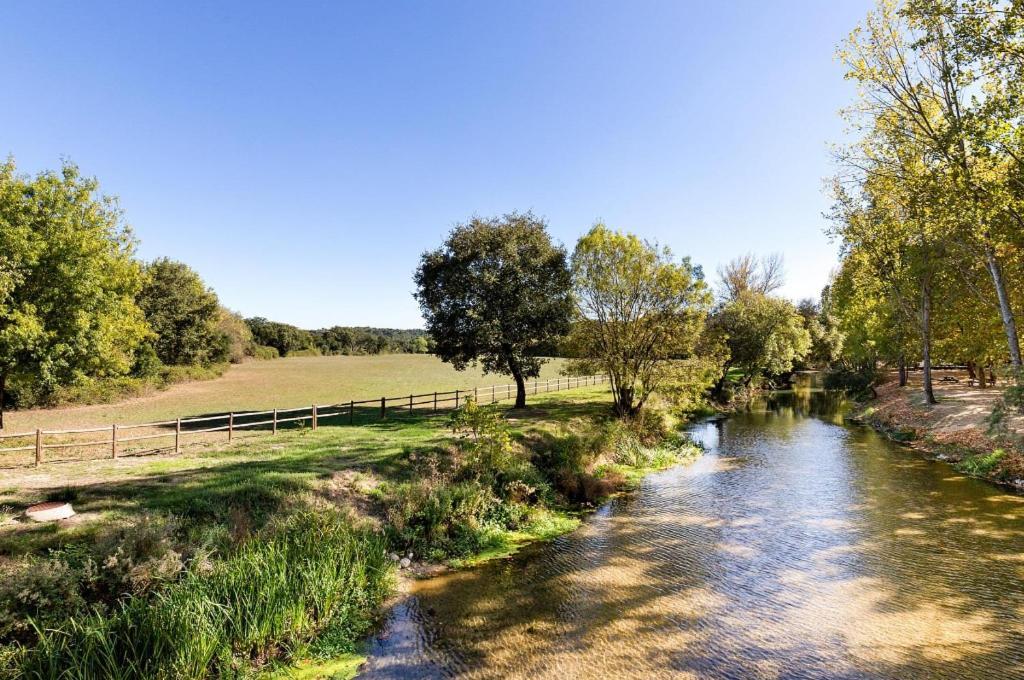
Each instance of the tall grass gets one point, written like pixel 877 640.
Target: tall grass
pixel 312 575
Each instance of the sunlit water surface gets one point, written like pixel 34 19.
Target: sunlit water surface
pixel 796 547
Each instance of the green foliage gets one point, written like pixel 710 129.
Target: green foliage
pixel 764 335
pixel 235 340
pixel 183 313
pixel 826 337
pixel 311 574
pixel 929 205
pixel 263 352
pixel 639 309
pixel 858 382
pixel 67 283
pixel 498 292
pixel 981 465
pixel 283 337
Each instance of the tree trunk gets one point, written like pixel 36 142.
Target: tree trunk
pixel 719 390
pixel 981 375
pixel 903 370
pixel 926 341
pixel 970 371
pixel 1005 310
pixel 624 403
pixel 520 388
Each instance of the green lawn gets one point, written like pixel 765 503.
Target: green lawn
pixel 281 383
pixel 248 481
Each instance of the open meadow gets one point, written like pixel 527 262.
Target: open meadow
pixel 281 383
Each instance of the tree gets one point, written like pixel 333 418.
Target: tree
pixel 498 292
pixel 762 275
pixel 68 282
pixel 826 338
pixel 764 335
pixel 639 309
pixel 182 312
pixel 283 337
pixel 235 338
pixel 949 71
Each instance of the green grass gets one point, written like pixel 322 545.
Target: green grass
pixel 219 500
pixel 311 575
pixel 282 383
pixel 982 464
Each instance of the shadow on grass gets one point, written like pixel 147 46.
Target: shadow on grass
pixel 255 479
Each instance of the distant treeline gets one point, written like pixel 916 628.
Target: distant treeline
pixel 272 338
pixel 83 320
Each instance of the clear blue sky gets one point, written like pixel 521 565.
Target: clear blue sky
pixel 301 156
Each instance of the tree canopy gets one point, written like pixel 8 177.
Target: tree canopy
pixel 638 308
pixel 68 282
pixel 182 312
pixel 497 292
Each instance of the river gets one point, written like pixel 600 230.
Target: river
pixel 796 547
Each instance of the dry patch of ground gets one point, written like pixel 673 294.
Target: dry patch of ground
pixel 957 426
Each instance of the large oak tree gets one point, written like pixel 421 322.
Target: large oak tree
pixel 498 292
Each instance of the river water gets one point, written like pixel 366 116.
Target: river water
pixel 796 547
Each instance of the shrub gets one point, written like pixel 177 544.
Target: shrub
pixel 981 465
pixel 440 519
pixel 308 352
pixel 311 574
pixel 490 451
pixel 40 590
pixel 263 352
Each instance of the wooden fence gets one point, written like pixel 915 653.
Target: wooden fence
pixel 139 438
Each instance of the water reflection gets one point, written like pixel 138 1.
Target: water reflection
pixel 795 548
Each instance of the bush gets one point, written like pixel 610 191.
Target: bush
pixel 310 352
pixel 981 465
pixel 263 352
pixel 440 519
pixel 312 574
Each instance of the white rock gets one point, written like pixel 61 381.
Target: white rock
pixel 50 511
pixel 393 557
pixel 404 563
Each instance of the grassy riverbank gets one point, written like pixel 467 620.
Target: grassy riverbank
pixel 957 430
pixel 219 534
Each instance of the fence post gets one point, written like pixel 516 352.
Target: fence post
pixel 351 412
pixel 435 402
pixel 410 404
pixel 456 398
pixel 113 440
pixel 39 447
pixel 314 417
pixel 476 395
pixel 492 395
pixel 177 435
pixel 275 422
pixel 383 408
pixel 231 425
pixel 536 383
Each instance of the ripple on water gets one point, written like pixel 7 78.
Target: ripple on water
pixel 795 548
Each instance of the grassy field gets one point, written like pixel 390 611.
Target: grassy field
pixel 241 528
pixel 222 497
pixel 256 475
pixel 281 383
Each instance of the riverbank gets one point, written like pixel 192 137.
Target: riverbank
pixel 433 491
pixel 956 430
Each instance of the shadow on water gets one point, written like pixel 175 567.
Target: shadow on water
pixel 796 547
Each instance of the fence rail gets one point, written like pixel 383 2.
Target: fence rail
pixel 181 432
